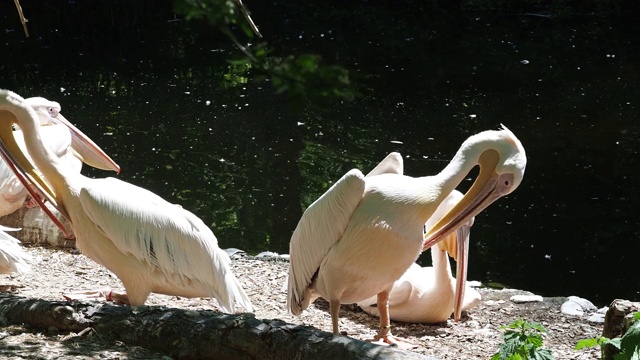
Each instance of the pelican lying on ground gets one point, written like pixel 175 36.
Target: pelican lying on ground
pixel 427 294
pixel 58 139
pixel 360 236
pixel 13 258
pixel 149 243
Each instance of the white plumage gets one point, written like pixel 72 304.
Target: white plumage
pixel 426 294
pixel 13 258
pixel 149 243
pixel 360 236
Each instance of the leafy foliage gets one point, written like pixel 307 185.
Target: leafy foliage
pixel 522 340
pixel 628 344
pixel 303 77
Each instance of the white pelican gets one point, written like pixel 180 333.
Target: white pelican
pixel 13 258
pixel 427 294
pixel 149 243
pixel 360 236
pixel 59 140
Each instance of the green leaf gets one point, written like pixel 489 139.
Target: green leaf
pixel 534 340
pixel 613 342
pixel 536 326
pixel 586 343
pixel 630 341
pixel 508 348
pixel 543 354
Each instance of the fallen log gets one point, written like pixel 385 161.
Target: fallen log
pixel 189 334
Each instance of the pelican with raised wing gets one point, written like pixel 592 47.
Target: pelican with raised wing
pixel 427 294
pixel 360 236
pixel 149 243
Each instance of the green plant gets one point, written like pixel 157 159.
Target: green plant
pixel 522 340
pixel 304 77
pixel 628 344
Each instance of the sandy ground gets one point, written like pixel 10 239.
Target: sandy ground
pixel 477 336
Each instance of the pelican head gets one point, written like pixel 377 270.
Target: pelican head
pixel 502 162
pixel 84 148
pixel 14 110
pixel 45 109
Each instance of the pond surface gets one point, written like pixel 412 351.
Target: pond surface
pixel 160 97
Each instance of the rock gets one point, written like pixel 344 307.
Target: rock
pixel 267 254
pixel 520 299
pixel 596 318
pixel 571 308
pixel 616 322
pixel 474 283
pixel 270 255
pixel 585 304
pixel 234 253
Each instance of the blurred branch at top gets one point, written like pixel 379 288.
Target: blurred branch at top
pixel 303 76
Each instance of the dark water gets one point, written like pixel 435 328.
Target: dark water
pixel 151 90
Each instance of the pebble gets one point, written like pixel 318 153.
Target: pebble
pixel 267 254
pixel 234 252
pixel 585 304
pixel 520 299
pixel 577 306
pixel 596 318
pixel 571 308
pixel 474 283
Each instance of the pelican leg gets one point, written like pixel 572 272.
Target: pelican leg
pixel 385 321
pixel 334 310
pixel 384 335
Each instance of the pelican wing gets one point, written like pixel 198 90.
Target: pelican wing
pixel 321 226
pixel 175 241
pixel 13 258
pixel 392 164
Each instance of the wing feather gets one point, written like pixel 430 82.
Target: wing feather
pixel 165 235
pixel 392 164
pixel 13 258
pixel 319 228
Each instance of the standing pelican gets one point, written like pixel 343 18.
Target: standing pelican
pixel 360 236
pixel 149 243
pixel 427 294
pixel 13 258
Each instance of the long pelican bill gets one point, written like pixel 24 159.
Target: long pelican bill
pixel 482 193
pixel 30 177
pixel 85 149
pixel 462 262
pixel 457 246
